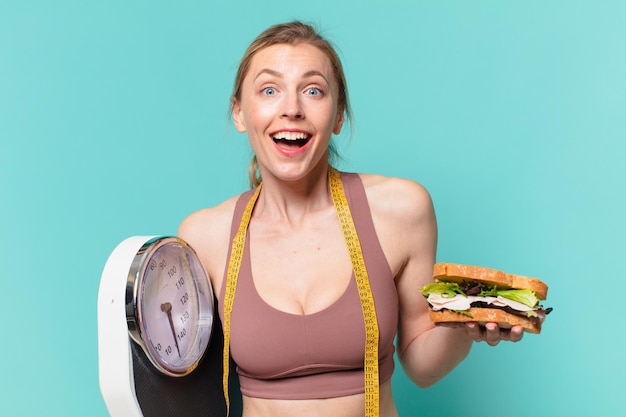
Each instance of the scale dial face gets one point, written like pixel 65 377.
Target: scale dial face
pixel 169 305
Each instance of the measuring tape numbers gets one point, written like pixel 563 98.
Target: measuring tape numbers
pixel 234 265
pixel 370 366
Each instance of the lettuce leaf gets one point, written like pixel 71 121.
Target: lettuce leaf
pixel 526 297
pixel 463 313
pixel 446 289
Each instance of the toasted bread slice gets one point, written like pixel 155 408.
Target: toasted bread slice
pixel 457 273
pixel 483 316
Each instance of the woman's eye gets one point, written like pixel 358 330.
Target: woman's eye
pixel 313 91
pixel 269 91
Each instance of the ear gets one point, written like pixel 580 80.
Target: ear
pixel 238 118
pixel 338 122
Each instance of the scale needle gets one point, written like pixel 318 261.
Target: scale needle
pixel 167 309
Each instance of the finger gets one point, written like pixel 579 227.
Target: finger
pixel 474 331
pixel 492 334
pixel 516 333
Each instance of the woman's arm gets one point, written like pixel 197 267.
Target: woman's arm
pixel 405 221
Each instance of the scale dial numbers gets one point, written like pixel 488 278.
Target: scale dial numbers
pixel 172 305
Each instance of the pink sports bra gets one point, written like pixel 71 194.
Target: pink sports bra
pixel 287 356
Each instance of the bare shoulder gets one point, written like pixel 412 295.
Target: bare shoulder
pixel 195 226
pixel 402 198
pixel 208 232
pixel 405 223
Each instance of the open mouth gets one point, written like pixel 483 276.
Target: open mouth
pixel 291 139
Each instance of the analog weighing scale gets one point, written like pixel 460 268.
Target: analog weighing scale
pixel 159 336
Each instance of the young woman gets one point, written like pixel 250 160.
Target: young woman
pixel 292 282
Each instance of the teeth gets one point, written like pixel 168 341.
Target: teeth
pixel 291 135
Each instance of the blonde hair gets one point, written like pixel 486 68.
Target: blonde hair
pixel 292 33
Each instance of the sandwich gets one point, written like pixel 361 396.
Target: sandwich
pixel 462 293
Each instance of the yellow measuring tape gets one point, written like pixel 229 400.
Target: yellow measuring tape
pixel 234 265
pixel 370 366
pixel 365 293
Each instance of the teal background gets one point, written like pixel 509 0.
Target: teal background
pixel 113 123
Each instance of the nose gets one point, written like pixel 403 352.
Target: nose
pixel 293 107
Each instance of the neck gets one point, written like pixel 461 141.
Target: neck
pixel 292 201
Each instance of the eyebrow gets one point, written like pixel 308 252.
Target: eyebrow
pixel 275 73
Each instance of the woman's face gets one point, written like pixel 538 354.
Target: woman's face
pixel 288 108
